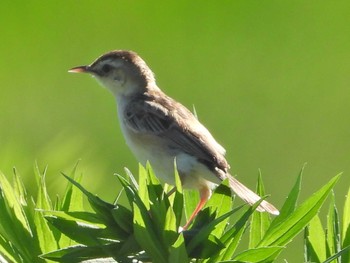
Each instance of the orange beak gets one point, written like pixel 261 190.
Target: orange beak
pixel 80 69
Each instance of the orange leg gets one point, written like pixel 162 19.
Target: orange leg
pixel 204 193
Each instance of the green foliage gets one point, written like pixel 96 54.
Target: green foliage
pixel 24 232
pixel 333 243
pixel 148 227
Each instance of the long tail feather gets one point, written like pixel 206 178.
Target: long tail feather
pixel 250 197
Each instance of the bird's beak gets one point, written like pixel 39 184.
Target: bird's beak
pixel 80 69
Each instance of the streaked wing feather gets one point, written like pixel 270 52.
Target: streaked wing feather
pixel 150 117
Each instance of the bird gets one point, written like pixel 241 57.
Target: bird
pixel 163 132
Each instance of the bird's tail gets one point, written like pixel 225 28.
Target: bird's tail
pixel 250 197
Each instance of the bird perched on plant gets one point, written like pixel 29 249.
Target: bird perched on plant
pixel 160 130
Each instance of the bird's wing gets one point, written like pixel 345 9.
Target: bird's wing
pixel 178 127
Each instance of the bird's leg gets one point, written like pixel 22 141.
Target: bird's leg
pixel 204 194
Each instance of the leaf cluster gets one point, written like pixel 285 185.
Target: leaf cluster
pixel 148 227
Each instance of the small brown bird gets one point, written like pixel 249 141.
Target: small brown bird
pixel 160 130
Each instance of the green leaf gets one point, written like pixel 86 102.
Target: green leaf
pixel 205 231
pixel 346 218
pixel 233 236
pixel 131 178
pixel 102 208
pixel 255 255
pixel 123 218
pixel 82 232
pixel 129 189
pixel 8 251
pixel 178 251
pixel 83 217
pixel 79 253
pixel 346 227
pixel 191 199
pixel 178 200
pixel 309 252
pixel 221 203
pixel 333 229
pixel 10 200
pixel 170 230
pixel 290 204
pixel 152 179
pixel 73 198
pixel 14 227
pixel 260 221
pixel 19 189
pixel 344 254
pixel 146 236
pixel 44 234
pixel 143 188
pixel 284 232
pixel 209 247
pixel 159 204
pixel 128 249
pixel 43 200
pixel 316 240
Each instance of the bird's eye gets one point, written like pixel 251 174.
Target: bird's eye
pixel 106 68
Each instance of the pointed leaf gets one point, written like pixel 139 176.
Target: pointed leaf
pixel 73 198
pixel 344 254
pixel 123 217
pixel 43 200
pixel 129 189
pixel 83 233
pixel 309 251
pixel 10 198
pixel 205 231
pixel 14 227
pixel 261 254
pixel 8 252
pixel 233 236
pixel 132 178
pixel 209 247
pixel 260 221
pixel 143 189
pixel 44 234
pixel 79 253
pixel 290 204
pixel 316 238
pixel 285 231
pixel 191 199
pixel 178 201
pixel 221 203
pixel 346 227
pixel 146 237
pixel 19 189
pixel 178 251
pixel 170 230
pixel 83 217
pixel 101 207
pixel 334 243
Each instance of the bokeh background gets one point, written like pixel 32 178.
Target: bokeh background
pixel 270 79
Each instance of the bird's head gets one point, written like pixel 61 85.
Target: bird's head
pixel 122 72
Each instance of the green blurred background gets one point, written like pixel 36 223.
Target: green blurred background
pixel 270 79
